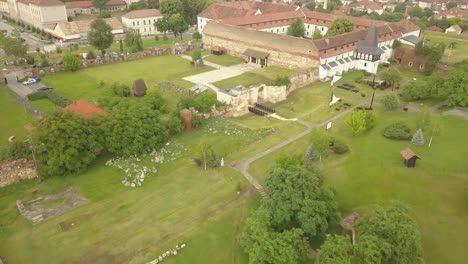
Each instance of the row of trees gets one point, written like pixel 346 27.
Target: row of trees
pixel 339 26
pixel 68 143
pixel 453 88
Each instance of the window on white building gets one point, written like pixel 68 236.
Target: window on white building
pixel 144 22
pixel 365 64
pixel 133 23
pixel 138 23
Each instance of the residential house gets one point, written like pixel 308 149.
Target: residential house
pixel 77 31
pixel 86 7
pixel 454 29
pixel 142 20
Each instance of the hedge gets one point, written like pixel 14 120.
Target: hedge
pixel 56 98
pixel 397 130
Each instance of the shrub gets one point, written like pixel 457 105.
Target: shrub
pixel 197 121
pixel 15 150
pixel 104 14
pixel 29 59
pixel 75 47
pixel 397 130
pixel 121 90
pixel 390 101
pixel 204 101
pixel 156 37
pixel 418 138
pixel 38 95
pixel 58 50
pixel 70 62
pixel 58 99
pixel 45 63
pixel 339 147
pixel 175 124
pixel 281 80
pixel 310 156
pixel 91 55
pixel 165 37
pixel 360 121
pixel 196 35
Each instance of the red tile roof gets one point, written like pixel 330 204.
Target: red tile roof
pixel 223 10
pixel 407 153
pixel 42 2
pixel 85 109
pixel 435 28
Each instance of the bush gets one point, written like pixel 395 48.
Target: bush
pixel 70 62
pixel 175 124
pixel 75 47
pixel 397 130
pixel 281 80
pixel 156 37
pixel 121 90
pixel 58 50
pixel 38 95
pixel 310 156
pixel 197 121
pixel 104 14
pixel 45 63
pixel 165 37
pixel 58 99
pixel 339 147
pixel 204 101
pixel 15 150
pixel 196 35
pixel 390 101
pixel 91 55
pixel 29 59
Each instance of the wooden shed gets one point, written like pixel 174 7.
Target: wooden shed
pixel 410 158
pixel 139 88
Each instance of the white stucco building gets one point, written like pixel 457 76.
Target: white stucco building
pixel 38 13
pixel 142 20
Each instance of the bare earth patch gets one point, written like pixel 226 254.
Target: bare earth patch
pixel 12 171
pixel 45 207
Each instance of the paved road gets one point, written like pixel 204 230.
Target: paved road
pixel 19 88
pixel 31 41
pixel 221 73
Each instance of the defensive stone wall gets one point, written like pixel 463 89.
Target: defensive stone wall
pixel 278 58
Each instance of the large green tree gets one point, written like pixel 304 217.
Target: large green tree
pixel 100 36
pixel 298 199
pixel 177 24
pixel 339 26
pixel 394 227
pixel 133 128
pixel 321 141
pixel 297 28
pixel 265 245
pixel 336 249
pixel 70 62
pixel 171 7
pixel 391 77
pixel 66 143
pixel 13 47
pixel 133 40
pixel 99 4
pixel 455 88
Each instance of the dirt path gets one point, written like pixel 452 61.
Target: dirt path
pixel 243 165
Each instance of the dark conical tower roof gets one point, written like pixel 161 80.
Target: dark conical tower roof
pixel 369 44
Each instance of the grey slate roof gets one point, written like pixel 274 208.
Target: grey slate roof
pixel 369 44
pixel 333 64
pixel 411 39
pixel 341 61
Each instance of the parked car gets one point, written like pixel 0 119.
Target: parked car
pixel 37 79
pixel 29 81
pixel 22 40
pixel 44 88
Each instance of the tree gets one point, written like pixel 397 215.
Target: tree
pixel 99 4
pixel 428 12
pixel 133 40
pixel 191 8
pixel 321 141
pixel 162 24
pixel 100 36
pixel 152 4
pixel 196 55
pixel 196 35
pixel 156 101
pixel 133 128
pixel 142 4
pixel 121 47
pixel 66 143
pixel 454 88
pixel 339 26
pixel 391 77
pixel 13 47
pixel 298 199
pixel 452 45
pixel 416 12
pixel 400 8
pixel 121 89
pixel 356 120
pixel 310 6
pixel 336 249
pixel 451 5
pixel 390 101
pixel 418 138
pixel 297 28
pixel 397 231
pixel 264 245
pixel 317 34
pixel 177 24
pixel 70 62
pixel 310 156
pixel 171 7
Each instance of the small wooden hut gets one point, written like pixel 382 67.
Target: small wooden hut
pixel 139 88
pixel 217 50
pixel 410 158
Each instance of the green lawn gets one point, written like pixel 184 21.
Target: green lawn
pixel 224 60
pixel 263 75
pixel 373 173
pixel 181 203
pixel 14 117
pixel 451 56
pixel 86 84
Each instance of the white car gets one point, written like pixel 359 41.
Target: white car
pixel 29 81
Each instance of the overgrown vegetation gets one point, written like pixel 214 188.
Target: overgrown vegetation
pixel 398 130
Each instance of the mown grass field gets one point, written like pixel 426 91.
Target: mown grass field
pixel 263 75
pixel 458 54
pixel 14 117
pixel 94 83
pixel 373 173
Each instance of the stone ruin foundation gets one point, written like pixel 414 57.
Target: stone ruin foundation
pixel 12 171
pixel 36 211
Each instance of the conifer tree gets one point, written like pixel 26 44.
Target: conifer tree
pixel 418 138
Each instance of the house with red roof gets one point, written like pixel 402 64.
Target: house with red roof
pixel 86 7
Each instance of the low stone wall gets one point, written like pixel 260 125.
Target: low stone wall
pixel 302 79
pixel 12 171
